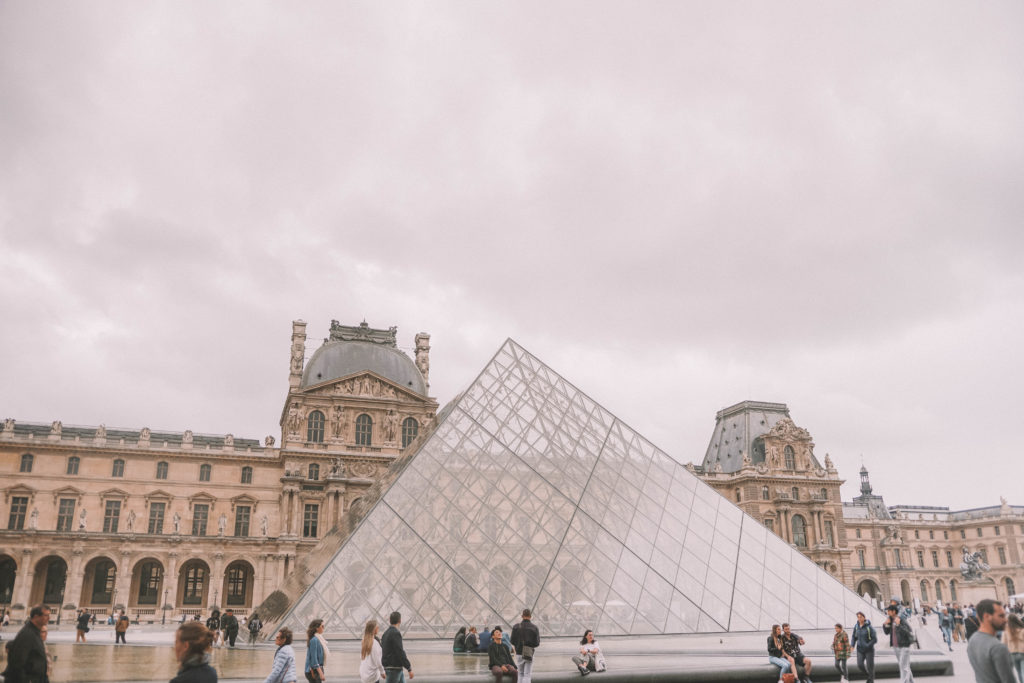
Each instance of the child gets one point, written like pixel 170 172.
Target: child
pixel 841 649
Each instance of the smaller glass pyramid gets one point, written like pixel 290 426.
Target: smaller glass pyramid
pixel 530 494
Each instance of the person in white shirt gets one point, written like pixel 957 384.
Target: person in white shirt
pixel 371 668
pixel 590 658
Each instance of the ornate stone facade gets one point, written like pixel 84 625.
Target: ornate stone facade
pixel 765 463
pixel 171 523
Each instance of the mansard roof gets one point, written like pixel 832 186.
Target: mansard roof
pixel 736 427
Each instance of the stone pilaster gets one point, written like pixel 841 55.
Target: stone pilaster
pixel 298 353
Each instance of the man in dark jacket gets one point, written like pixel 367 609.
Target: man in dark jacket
pixel 865 638
pixel 26 654
pixel 901 636
pixel 230 625
pixel 393 652
pixel 525 635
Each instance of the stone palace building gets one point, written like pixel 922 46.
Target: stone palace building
pixel 169 523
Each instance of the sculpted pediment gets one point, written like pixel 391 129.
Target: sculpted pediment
pixel 362 385
pixel 200 497
pixel 114 493
pixel 786 430
pixel 158 495
pixel 67 492
pixel 19 490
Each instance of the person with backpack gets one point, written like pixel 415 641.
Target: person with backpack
pixel 901 637
pixel 865 638
pixel 255 626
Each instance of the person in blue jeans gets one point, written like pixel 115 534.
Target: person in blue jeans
pixel 865 638
pixel 393 657
pixel 946 626
pixel 776 655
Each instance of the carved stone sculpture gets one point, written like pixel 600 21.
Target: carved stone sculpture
pixel 9 425
pixel 222 523
pixel 33 520
pixel 131 521
pixel 269 441
pixel 973 566
pixel 82 522
pixel 264 525
pixel 390 426
pixel 177 523
pixel 101 432
pixel 229 441
pixel 56 427
pixel 187 436
pixel 340 423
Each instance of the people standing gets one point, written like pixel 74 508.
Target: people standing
pixel 865 638
pixel 49 658
pixel 525 639
pixel 230 626
pixel 213 623
pixel 959 634
pixel 81 625
pixel 371 668
pixel 26 654
pixel 283 670
pixel 485 640
pixel 1013 636
pixel 990 658
pixel 791 643
pixel 192 645
pixel 590 657
pixel 901 636
pixel 841 650
pixel 499 659
pixel 255 625
pixel 946 626
pixel 393 652
pixel 120 629
pixel 315 654
pixel 971 623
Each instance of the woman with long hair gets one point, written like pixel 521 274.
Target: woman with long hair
pixel 777 655
pixel 316 653
pixel 371 668
pixel 1015 643
pixel 459 645
pixel 590 658
pixel 284 659
pixel 192 645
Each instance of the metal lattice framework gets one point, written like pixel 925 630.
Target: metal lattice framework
pixel 529 493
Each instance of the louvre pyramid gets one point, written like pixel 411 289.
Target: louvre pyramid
pixel 528 493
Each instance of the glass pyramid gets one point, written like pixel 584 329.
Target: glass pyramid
pixel 528 493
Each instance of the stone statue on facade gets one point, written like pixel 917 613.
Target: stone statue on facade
pixel 269 441
pixel 187 436
pixel 747 462
pixel 82 520
pixel 298 354
pixel 340 423
pixel 337 468
pixel 294 419
pixel 773 457
pixel 177 523
pixel 264 523
pixel 33 520
pixel 229 440
pixel 144 435
pixel 973 566
pixel 390 426
pixel 101 432
pixel 222 523
pixel 56 427
pixel 131 521
pixel 828 462
pixel 9 425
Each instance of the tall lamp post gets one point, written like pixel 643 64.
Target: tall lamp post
pixel 163 608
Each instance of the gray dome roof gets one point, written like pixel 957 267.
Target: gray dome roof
pixel 335 360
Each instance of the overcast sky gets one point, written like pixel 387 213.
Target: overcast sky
pixel 677 206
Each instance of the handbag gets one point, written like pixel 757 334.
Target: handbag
pixel 527 653
pixel 788 678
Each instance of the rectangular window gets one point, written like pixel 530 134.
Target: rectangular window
pixel 920 558
pixel 998 531
pixel 935 558
pixel 310 517
pixel 917 534
pixel 963 533
pixel 896 557
pixel 769 524
pixel 860 557
pixel 200 513
pixel 19 506
pixel 65 514
pixel 242 514
pixel 979 532
pixel 858 533
pixel 945 535
pixel 1002 555
pixel 931 534
pixel 949 558
pixel 111 516
pixel 156 517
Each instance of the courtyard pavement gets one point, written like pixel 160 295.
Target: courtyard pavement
pixel 148 657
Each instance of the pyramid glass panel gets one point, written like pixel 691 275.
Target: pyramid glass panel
pixel 530 494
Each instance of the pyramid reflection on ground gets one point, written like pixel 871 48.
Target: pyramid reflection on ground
pixel 529 493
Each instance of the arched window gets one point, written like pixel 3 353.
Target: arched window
pixel 1010 588
pixel 118 468
pixel 924 591
pixel 739 496
pixel 195 580
pixel 149 583
pixel 314 471
pixel 26 462
pixel 938 590
pixel 161 470
pixel 246 475
pixel 73 462
pixel 364 430
pixel 799 531
pixel 824 494
pixel 765 493
pixel 204 472
pixel 237 584
pixel 795 493
pixel 952 590
pixel 790 458
pixel 315 427
pixel 104 575
pixel 410 428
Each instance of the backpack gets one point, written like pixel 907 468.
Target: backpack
pixel 254 625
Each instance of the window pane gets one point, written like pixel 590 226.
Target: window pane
pixel 118 469
pixel 242 513
pixel 310 519
pixel 19 506
pixel 156 517
pixel 195 579
pixel 315 427
pixel 73 463
pixel 149 583
pixel 237 585
pixel 26 462
pixel 111 516
pixel 65 514
pixel 161 470
pixel 364 430
pixel 204 473
pixel 200 513
pixel 246 475
pixel 410 428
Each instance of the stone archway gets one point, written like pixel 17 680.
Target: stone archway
pixel 147 585
pixel 50 578
pixel 99 581
pixel 194 584
pixel 238 585
pixel 869 588
pixel 905 592
pixel 8 574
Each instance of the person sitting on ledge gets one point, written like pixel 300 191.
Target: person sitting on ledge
pixel 472 640
pixel 500 659
pixel 777 655
pixel 485 640
pixel 590 657
pixel 791 643
pixel 460 641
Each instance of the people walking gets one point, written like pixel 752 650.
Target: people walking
pixel 525 639
pixel 990 658
pixel 959 633
pixel 229 624
pixel 315 654
pixel 26 654
pixel 255 625
pixel 499 659
pixel 283 670
pixel 946 626
pixel 865 639
pixel 393 652
pixel 591 657
pixel 791 643
pixel 120 628
pixel 901 636
pixel 971 623
pixel 213 623
pixel 81 625
pixel 371 668
pixel 192 645
pixel 841 650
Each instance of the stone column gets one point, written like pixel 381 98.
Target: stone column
pixel 123 582
pixel 23 580
pixel 171 580
pixel 298 353
pixel 217 580
pixel 73 581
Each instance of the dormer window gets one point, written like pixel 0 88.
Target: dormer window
pixel 790 458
